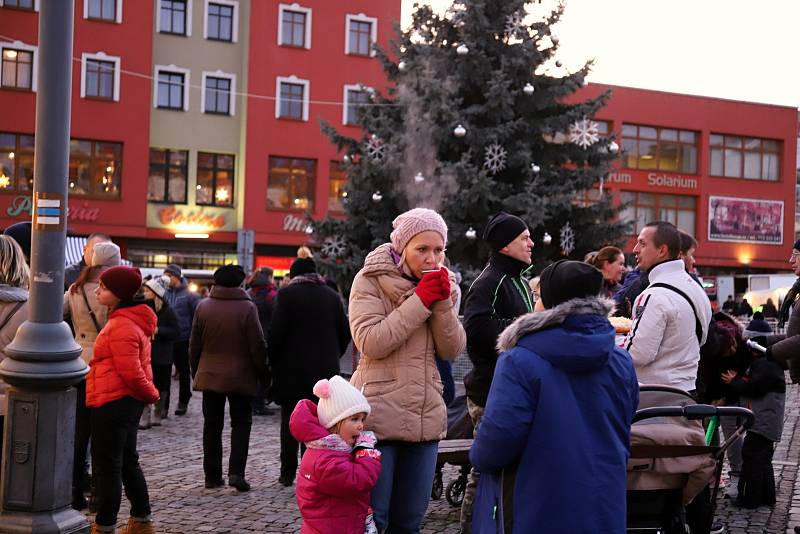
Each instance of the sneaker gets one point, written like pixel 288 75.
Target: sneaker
pixel 717 528
pixel 181 409
pixel 238 482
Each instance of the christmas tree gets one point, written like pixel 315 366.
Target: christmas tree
pixel 477 119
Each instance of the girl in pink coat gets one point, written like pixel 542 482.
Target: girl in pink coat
pixel 341 465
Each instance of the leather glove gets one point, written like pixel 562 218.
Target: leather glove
pixel 434 287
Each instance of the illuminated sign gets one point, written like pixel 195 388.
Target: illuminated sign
pixel 191 219
pixel 296 224
pixel 23 205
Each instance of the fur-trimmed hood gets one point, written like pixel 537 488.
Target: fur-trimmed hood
pixel 575 335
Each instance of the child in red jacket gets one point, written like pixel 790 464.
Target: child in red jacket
pixel 341 465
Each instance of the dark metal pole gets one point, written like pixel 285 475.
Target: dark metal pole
pixel 43 361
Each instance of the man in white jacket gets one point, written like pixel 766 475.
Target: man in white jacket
pixel 671 316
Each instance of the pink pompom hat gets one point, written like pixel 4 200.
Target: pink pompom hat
pixel 338 400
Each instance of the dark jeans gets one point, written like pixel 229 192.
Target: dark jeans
pixel 213 421
pixel 115 460
pixel 289 445
pixel 180 356
pixel 83 432
pixel 757 481
pixel 162 376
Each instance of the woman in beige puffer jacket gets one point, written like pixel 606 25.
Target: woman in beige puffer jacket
pixel 402 315
pixel 87 317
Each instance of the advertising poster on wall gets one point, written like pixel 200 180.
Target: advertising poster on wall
pixel 745 220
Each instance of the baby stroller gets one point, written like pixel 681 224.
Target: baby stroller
pixel 455 451
pixel 671 465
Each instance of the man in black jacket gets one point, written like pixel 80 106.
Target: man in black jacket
pixel 308 334
pixel 496 298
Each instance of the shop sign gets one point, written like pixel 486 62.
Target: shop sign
pixel 295 224
pixel 745 220
pixel 23 205
pixel 671 180
pixel 190 218
pixel 619 178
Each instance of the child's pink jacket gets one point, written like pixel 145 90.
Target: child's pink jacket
pixel 333 486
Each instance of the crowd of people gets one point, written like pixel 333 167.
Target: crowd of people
pixel 551 395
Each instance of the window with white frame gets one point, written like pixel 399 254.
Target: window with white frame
pixel 355 98
pixel 18 70
pixel 100 76
pixel 105 10
pixel 294 26
pixel 219 89
pixel 26 5
pixel 361 33
pixel 292 101
pixel 175 17
pixel 171 88
pixel 222 21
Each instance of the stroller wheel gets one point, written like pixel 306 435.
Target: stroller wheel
pixel 455 491
pixel 438 487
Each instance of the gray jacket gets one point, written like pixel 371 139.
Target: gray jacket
pixel 763 390
pixel 786 347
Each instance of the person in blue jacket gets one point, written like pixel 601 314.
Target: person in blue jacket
pixel 553 444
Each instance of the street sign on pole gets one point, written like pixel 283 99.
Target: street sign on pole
pixel 245 248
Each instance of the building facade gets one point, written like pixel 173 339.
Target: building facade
pixel 193 120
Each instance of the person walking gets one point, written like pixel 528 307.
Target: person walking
pixel 402 315
pixel 87 317
pixel 183 302
pixel 306 339
pixel 553 443
pixel 119 385
pixel 496 298
pixel 161 348
pixel 14 282
pixel 262 291
pixel 227 356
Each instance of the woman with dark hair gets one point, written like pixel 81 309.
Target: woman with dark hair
pixel 119 385
pixel 611 262
pixel 87 318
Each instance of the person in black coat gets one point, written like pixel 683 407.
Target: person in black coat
pixel 167 331
pixel 495 299
pixel 308 334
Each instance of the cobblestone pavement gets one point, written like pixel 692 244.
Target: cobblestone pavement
pixel 171 456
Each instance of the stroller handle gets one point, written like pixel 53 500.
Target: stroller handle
pixel 697 411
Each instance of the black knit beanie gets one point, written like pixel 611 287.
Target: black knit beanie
pixel 502 229
pixel 566 280
pixel 229 276
pixel 302 266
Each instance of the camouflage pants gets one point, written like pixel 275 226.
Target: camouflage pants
pixel 475 413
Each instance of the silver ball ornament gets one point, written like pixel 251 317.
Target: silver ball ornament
pixel 346 158
pixel 377 197
pixel 401 66
pixel 460 131
pixel 559 64
pixel 535 168
pixel 613 147
pixel 419 178
pixel 554 39
pixel 528 89
pixel 462 50
pixel 471 233
pixel 547 238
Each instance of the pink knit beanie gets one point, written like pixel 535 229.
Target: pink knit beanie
pixel 414 222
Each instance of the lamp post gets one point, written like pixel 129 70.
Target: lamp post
pixel 43 361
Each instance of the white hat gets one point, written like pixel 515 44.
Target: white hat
pixel 338 400
pixel 158 285
pixel 105 253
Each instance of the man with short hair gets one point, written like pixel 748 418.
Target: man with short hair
pixel 183 302
pixel 495 299
pixel 72 272
pixel 671 316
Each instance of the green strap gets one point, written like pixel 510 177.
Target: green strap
pixel 525 296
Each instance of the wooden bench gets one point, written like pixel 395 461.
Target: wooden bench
pixel 454 451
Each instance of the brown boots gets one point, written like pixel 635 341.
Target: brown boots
pixel 133 527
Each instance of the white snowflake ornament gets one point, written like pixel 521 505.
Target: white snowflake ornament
pixel 515 25
pixel 584 133
pixel 494 160
pixel 567 239
pixel 375 149
pixel 334 247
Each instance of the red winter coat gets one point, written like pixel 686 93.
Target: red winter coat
pixel 333 487
pixel 120 366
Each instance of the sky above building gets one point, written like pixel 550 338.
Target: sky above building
pixel 732 49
